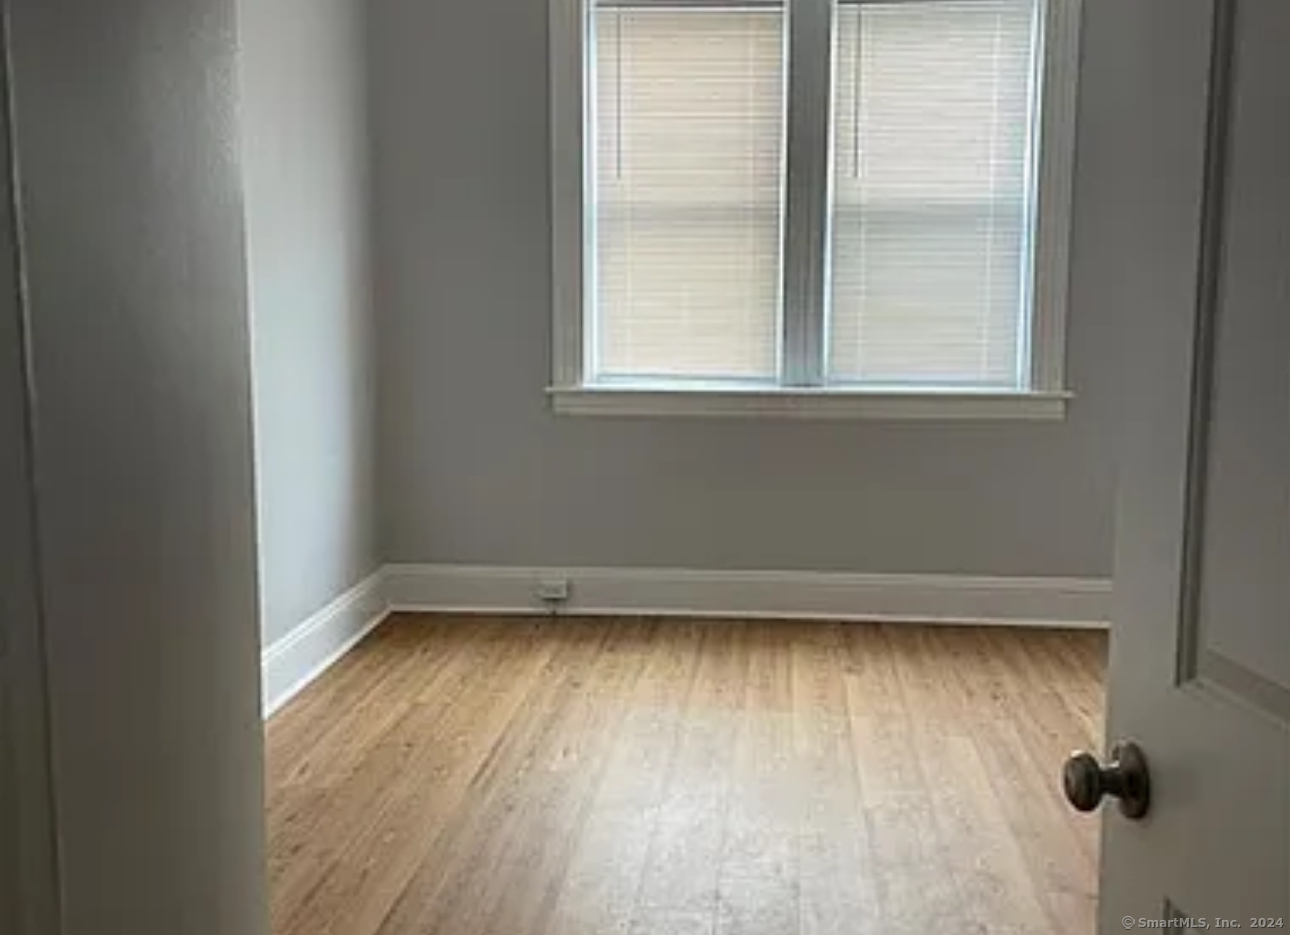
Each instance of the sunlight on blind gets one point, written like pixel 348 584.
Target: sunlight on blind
pixel 689 117
pixel 931 211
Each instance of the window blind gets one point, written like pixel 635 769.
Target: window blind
pixel 687 189
pixel 932 123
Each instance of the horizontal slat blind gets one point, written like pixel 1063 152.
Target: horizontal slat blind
pixel 689 127
pixel 932 125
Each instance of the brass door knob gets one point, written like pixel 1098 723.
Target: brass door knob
pixel 1126 778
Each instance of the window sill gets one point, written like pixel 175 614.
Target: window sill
pixel 806 403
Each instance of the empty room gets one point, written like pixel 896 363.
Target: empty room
pixel 718 348
pixel 667 467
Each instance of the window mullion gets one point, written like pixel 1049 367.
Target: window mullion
pixel 806 191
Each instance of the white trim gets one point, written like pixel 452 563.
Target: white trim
pixel 808 156
pixel 1054 192
pixel 806 403
pixel 1067 602
pixel 299 657
pixel 570 116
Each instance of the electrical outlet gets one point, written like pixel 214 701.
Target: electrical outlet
pixel 554 591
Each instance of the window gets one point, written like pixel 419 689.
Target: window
pixel 687 209
pixel 812 207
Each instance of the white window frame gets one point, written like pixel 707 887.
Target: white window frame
pixel 808 139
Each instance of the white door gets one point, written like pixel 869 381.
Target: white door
pixel 1200 658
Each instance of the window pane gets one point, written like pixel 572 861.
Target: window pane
pixel 689 117
pixel 931 192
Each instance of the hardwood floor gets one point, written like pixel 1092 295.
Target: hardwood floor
pixel 481 776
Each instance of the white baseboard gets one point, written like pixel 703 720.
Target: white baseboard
pixel 295 660
pixel 298 658
pixel 1056 602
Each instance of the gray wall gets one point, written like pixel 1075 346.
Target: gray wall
pixel 28 885
pixel 305 152
pixel 132 223
pixel 476 469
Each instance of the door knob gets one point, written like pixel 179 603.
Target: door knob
pixel 1126 778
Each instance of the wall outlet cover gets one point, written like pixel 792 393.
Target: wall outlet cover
pixel 554 590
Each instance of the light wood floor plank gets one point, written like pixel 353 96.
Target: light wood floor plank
pixel 603 880
pixel 837 897
pixel 494 776
pixel 679 889
pixel 453 871
pixel 408 785
pixel 758 861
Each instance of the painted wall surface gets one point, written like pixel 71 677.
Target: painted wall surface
pixel 28 886
pixel 476 469
pixel 305 161
pixel 132 221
